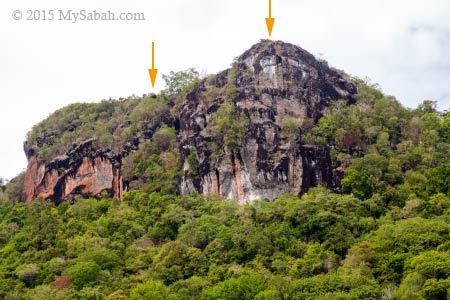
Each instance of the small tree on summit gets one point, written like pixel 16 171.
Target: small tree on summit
pixel 181 81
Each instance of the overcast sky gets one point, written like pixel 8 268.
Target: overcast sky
pixel 44 65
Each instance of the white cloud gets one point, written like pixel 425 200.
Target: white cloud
pixel 402 45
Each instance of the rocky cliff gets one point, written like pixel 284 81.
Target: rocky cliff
pixel 275 85
pixel 269 97
pixel 83 170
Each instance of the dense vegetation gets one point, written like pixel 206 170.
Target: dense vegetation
pixel 385 236
pixel 154 246
pixel 112 123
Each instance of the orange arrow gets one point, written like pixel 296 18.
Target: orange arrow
pixel 270 21
pixel 153 72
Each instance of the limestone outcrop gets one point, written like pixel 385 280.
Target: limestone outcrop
pixel 276 89
pixel 273 82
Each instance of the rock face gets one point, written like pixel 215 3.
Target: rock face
pixel 272 85
pixel 274 82
pixel 81 171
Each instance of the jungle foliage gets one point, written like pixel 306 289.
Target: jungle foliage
pixel 384 236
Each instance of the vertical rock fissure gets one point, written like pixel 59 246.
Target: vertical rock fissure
pixel 239 191
pixel 294 174
pixel 117 184
pixel 218 182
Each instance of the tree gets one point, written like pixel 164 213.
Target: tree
pixel 27 273
pixel 84 274
pixel 188 289
pixel 14 188
pixel 365 175
pixel 177 261
pixel 228 126
pixel 181 81
pixel 388 249
pixel 117 295
pixel 193 162
pixel 89 293
pixel 105 258
pixel 439 181
pixel 242 288
pixel 290 128
pixel 436 289
pixel 149 290
pixel 431 264
pixel 200 232
pixel 427 106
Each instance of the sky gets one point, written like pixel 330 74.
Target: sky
pixel 403 45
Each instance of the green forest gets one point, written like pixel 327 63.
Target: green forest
pixel 384 235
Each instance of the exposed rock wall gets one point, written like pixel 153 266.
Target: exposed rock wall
pixel 274 81
pixel 82 171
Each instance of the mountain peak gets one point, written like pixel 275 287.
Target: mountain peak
pixel 271 86
pixel 274 47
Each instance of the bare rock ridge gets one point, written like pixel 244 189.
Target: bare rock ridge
pixel 270 88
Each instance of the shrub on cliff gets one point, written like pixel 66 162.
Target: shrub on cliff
pixel 228 126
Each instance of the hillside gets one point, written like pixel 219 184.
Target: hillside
pixel 236 134
pixel 279 178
